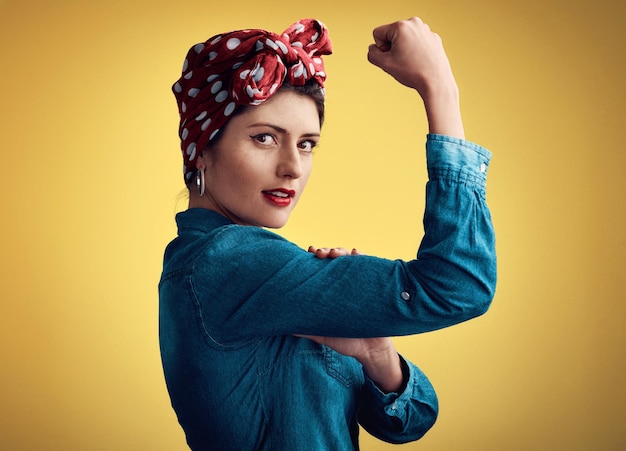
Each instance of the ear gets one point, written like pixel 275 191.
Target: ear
pixel 205 159
pixel 201 161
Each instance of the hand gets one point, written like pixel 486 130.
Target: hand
pixel 378 356
pixel 362 349
pixel 334 252
pixel 414 55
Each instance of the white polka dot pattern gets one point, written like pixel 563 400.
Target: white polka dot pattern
pixel 242 68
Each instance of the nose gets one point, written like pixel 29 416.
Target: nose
pixel 289 162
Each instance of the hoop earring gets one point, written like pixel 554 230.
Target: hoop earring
pixel 200 181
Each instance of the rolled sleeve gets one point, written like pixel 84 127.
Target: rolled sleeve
pixel 400 417
pixel 458 159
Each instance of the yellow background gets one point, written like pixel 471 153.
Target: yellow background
pixel 90 174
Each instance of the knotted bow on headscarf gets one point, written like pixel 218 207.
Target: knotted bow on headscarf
pixel 242 68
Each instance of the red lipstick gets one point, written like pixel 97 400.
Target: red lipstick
pixel 280 197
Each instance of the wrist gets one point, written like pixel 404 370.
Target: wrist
pixel 443 109
pixel 385 369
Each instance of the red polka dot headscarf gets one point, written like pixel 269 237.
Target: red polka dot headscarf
pixel 242 68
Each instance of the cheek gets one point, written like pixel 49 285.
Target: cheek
pixel 235 172
pixel 308 167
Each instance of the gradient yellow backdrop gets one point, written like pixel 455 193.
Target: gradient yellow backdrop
pixel 90 174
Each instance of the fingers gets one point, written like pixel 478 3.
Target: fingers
pixel 383 37
pixel 410 52
pixel 387 42
pixel 321 253
pixel 383 40
pixel 325 252
pixel 386 36
pixel 375 55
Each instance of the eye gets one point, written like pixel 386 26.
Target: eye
pixel 307 145
pixel 265 139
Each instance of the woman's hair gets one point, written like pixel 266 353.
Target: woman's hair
pixel 311 89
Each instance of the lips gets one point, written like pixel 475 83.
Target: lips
pixel 279 196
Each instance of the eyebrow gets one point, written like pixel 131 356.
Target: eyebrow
pixel 280 129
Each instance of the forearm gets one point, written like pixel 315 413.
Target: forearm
pixel 443 110
pixel 384 368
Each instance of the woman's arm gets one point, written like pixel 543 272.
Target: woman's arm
pixel 414 55
pixel 399 403
pixel 452 280
pixel 380 360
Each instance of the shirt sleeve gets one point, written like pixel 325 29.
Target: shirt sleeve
pixel 252 283
pixel 400 417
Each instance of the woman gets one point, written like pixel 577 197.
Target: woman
pixel 266 345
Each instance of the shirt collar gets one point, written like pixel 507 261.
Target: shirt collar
pixel 200 220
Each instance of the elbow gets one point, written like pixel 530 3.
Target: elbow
pixel 489 290
pixel 481 303
pixel 472 300
pixel 477 275
pixel 480 289
pixel 456 292
pixel 479 298
pixel 477 308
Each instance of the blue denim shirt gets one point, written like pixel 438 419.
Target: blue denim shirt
pixel 232 296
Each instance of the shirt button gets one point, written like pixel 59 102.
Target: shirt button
pixel 405 296
pixel 483 167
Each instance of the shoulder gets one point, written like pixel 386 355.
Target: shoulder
pixel 206 239
pixel 233 237
pixel 239 249
pixel 207 231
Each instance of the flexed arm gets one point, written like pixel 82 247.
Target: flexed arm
pixel 414 55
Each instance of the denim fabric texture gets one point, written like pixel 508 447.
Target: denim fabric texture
pixel 232 296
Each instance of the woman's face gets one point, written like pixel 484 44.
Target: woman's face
pixel 257 170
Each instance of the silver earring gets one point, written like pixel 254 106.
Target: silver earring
pixel 200 181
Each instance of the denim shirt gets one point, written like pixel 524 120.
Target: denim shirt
pixel 232 297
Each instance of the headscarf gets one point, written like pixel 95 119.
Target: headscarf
pixel 242 68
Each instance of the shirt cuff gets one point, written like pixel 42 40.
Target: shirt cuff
pixel 393 403
pixel 457 159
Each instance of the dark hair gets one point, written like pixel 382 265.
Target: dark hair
pixel 312 89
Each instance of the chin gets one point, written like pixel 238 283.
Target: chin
pixel 275 222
